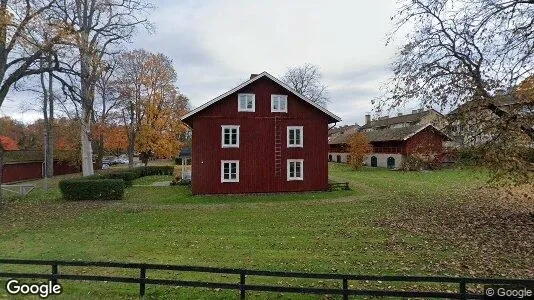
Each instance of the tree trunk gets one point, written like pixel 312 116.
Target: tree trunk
pixel 87 149
pixel 50 126
pixel 100 152
pixel 1 173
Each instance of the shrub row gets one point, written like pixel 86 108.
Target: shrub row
pixel 107 186
pixel 93 189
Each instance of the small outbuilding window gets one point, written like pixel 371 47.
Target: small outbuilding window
pixel 295 169
pixel 330 157
pixel 246 102
pixel 278 103
pixel 295 136
pixel 230 136
pixel 374 161
pixel 391 163
pixel 230 171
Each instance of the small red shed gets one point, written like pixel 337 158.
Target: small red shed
pixel 259 137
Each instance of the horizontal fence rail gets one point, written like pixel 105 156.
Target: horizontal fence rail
pixel 142 280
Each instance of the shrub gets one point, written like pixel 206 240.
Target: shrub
pixel 155 170
pixel 413 163
pixel 92 189
pixel 471 156
pixel 127 176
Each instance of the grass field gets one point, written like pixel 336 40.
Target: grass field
pixel 407 223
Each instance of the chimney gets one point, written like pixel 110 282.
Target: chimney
pixel 367 118
pixel 399 114
pixel 253 75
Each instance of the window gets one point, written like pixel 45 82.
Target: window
pixel 230 136
pixel 295 169
pixel 295 136
pixel 391 163
pixel 229 170
pixel 374 161
pixel 338 159
pixel 329 157
pixel 246 102
pixel 278 103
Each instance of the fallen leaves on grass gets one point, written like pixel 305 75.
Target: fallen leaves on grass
pixel 490 233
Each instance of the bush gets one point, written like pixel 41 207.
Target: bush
pixel 92 189
pixel 154 170
pixel 413 163
pixel 471 156
pixel 127 176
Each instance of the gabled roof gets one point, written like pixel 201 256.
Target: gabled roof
pixel 399 134
pixel 263 74
pixel 408 118
pixel 341 135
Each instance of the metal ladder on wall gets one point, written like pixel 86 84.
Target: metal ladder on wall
pixel 277 149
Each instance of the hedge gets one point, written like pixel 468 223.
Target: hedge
pixel 92 189
pixel 127 176
pixel 106 186
pixel 154 170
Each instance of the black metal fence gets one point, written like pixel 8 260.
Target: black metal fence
pixel 142 280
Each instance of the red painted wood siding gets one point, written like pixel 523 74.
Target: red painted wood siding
pixel 426 141
pixel 14 172
pixel 256 152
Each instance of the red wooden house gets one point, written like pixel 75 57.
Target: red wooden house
pixel 259 137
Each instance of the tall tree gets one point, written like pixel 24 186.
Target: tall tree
pixel 465 51
pixel 20 52
pixel 307 80
pixel 106 113
pixel 95 27
pixel 151 105
pixel 48 117
pixel 132 69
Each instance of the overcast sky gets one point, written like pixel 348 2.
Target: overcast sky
pixel 215 45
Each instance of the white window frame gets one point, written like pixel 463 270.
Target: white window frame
pixel 278 98
pixel 245 109
pixel 223 180
pixel 223 127
pixel 301 161
pixel 301 128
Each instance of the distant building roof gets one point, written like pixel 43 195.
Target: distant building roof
pixel 408 118
pixel 399 134
pixel 342 134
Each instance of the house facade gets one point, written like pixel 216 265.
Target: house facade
pixel 392 146
pixel 392 139
pixel 259 137
pixel 338 137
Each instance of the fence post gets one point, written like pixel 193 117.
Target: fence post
pixel 142 281
pixel 345 288
pixel 242 289
pixel 463 291
pixel 54 273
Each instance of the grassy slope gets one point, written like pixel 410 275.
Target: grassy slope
pixel 317 232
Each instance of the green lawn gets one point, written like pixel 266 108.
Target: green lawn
pixel 414 223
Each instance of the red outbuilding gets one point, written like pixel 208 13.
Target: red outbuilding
pixel 259 137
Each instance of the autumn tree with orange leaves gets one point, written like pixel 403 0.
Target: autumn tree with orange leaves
pixel 151 105
pixel 359 147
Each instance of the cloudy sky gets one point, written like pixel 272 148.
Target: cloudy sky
pixel 215 45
